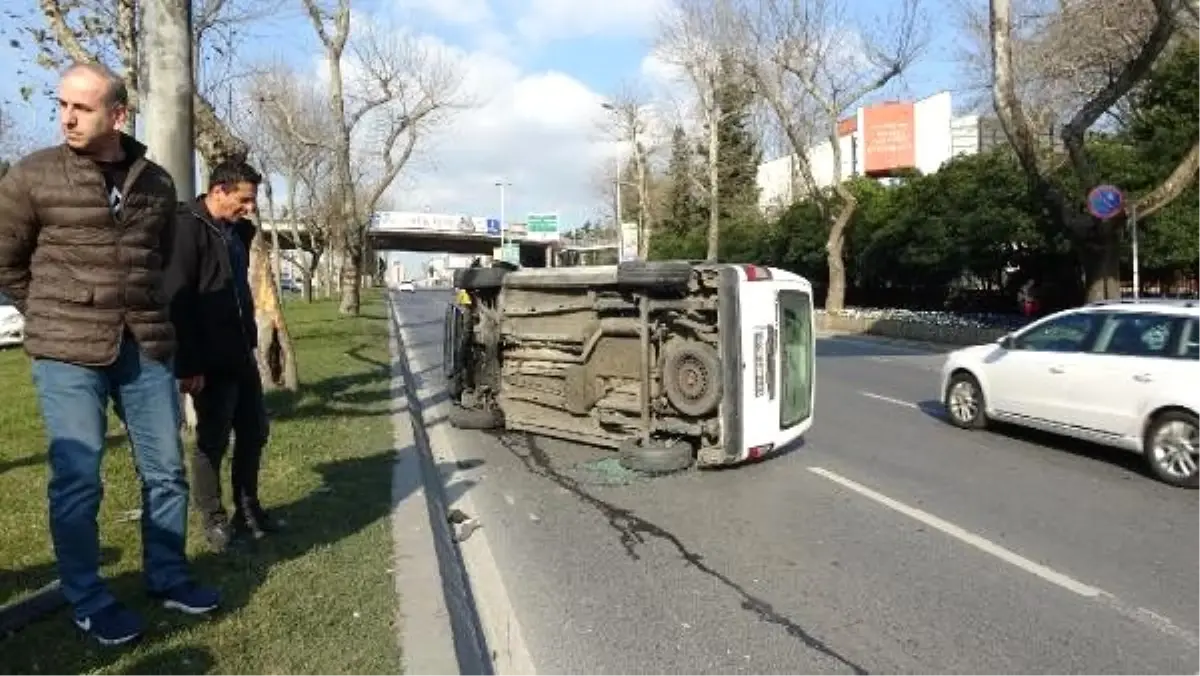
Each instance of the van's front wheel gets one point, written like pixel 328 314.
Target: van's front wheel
pixel 658 457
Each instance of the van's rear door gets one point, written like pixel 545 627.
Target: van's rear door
pixel 778 348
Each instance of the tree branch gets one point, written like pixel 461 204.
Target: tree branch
pixel 1183 177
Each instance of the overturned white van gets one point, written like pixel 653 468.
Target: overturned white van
pixel 670 362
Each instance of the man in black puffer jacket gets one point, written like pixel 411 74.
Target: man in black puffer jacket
pixel 213 312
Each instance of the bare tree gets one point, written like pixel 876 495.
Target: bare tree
pixel 631 123
pixel 813 66
pixel 403 89
pixel 700 38
pixel 1098 80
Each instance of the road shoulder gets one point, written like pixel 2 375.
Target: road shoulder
pixel 476 601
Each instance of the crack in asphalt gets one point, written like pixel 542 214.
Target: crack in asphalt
pixel 633 531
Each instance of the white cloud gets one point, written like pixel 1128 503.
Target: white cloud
pixel 457 12
pixel 546 20
pixel 538 131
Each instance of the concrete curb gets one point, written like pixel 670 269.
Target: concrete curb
pixel 487 634
pixel 916 332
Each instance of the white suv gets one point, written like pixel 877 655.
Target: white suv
pixel 1124 374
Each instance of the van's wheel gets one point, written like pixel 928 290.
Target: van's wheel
pixel 691 377
pixel 670 275
pixel 480 279
pixel 475 418
pixel 1170 447
pixel 656 458
pixel 964 402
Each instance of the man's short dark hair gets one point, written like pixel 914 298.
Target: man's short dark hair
pixel 117 93
pixel 232 172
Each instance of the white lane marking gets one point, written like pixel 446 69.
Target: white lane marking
pixel 1142 615
pixel 898 402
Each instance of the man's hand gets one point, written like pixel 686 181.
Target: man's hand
pixel 191 384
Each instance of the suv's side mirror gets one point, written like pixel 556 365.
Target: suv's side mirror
pixel 1007 342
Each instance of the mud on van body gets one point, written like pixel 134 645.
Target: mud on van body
pixel 669 362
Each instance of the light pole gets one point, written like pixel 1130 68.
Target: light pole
pixel 502 184
pixel 617 175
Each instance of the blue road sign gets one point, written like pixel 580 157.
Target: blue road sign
pixel 1105 201
pixel 493 226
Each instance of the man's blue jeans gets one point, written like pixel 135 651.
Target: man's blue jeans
pixel 73 401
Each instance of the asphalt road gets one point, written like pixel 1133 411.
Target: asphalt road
pixel 887 542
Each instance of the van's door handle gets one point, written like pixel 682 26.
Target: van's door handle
pixel 1143 378
pixel 1057 370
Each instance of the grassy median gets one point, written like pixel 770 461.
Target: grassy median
pixel 318 598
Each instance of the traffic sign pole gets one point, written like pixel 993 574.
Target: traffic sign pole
pixel 1137 277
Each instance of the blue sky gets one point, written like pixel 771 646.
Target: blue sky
pixel 537 70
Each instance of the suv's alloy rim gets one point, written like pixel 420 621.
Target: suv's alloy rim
pixel 964 405
pixel 1175 447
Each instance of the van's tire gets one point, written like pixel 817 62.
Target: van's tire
pixel 475 418
pixel 658 458
pixel 673 275
pixel 480 279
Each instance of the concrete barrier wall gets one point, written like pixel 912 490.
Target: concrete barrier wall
pixel 908 330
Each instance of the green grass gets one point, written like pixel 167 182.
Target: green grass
pixel 318 598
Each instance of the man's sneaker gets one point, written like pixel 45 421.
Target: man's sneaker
pixel 112 625
pixel 190 598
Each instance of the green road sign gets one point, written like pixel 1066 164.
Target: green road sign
pixel 541 227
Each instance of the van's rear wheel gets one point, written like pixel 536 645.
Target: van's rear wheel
pixel 658 457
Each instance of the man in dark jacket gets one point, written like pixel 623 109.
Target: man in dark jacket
pixel 213 312
pixel 85 233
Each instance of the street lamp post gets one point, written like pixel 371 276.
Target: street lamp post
pixel 503 221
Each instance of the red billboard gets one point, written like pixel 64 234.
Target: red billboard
pixel 889 138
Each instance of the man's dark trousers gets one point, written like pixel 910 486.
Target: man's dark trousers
pixel 230 402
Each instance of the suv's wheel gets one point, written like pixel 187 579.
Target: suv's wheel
pixel 964 402
pixel 1171 448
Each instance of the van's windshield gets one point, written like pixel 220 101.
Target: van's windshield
pixel 796 378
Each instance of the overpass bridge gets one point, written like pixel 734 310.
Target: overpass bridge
pixel 458 233
pixel 538 245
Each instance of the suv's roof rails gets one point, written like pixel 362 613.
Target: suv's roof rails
pixel 1179 302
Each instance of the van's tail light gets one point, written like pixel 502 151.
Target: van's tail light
pixel 757 273
pixel 757 452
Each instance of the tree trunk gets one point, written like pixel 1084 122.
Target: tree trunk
pixel 835 246
pixel 714 180
pixel 835 294
pixel 276 357
pixel 351 281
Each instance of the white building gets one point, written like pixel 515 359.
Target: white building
pixel 881 140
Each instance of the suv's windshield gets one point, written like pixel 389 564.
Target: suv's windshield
pixel 795 327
